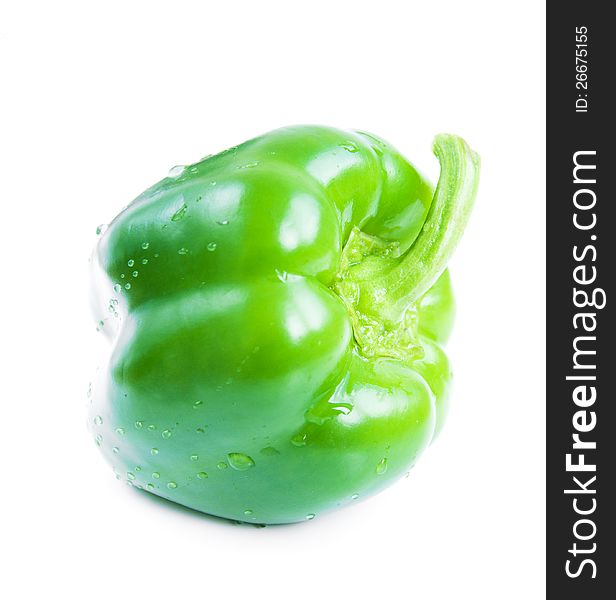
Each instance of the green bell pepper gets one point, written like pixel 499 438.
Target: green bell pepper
pixel 277 313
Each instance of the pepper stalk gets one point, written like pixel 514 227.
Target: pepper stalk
pixel 380 286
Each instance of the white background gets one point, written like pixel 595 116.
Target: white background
pixel 97 101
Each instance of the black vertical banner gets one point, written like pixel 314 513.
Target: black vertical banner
pixel 581 264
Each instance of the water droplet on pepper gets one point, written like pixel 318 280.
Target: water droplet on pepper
pixel 240 462
pixel 179 214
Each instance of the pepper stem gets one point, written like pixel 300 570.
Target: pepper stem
pixel 387 292
pixel 449 212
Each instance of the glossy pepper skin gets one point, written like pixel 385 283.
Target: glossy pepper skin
pixel 277 314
